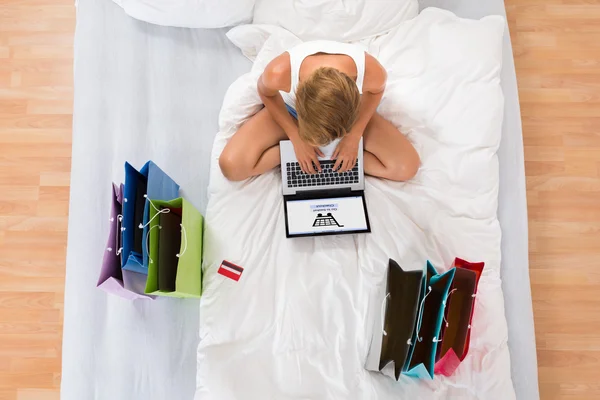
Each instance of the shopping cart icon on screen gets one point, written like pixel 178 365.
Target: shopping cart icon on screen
pixel 323 221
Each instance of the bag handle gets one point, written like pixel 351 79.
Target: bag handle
pixel 421 309
pixel 383 307
pixel 179 255
pixel 117 248
pixel 158 212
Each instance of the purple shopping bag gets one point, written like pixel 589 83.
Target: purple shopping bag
pixel 111 275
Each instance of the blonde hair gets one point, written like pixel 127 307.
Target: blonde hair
pixel 327 104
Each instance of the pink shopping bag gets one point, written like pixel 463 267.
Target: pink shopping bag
pixel 456 329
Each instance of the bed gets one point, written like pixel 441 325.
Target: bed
pixel 148 92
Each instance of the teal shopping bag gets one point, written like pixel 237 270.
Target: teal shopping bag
pixel 421 359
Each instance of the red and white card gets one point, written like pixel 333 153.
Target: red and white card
pixel 230 270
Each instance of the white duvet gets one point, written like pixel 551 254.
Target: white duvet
pixel 298 323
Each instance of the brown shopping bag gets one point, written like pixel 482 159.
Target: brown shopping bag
pixel 395 324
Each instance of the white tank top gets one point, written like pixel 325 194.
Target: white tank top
pixel 303 50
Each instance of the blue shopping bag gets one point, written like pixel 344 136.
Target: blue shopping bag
pixel 421 359
pixel 141 187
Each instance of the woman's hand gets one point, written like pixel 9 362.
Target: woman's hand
pixel 346 153
pixel 307 156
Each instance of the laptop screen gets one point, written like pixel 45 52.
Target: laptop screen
pixel 329 215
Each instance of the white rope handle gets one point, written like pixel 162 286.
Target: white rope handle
pixel 117 238
pixel 444 304
pixel 421 307
pixel 185 241
pixel 473 296
pixel 148 243
pixel 117 248
pixel 383 303
pixel 163 211
pixel 436 340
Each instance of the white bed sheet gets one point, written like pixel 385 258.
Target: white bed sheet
pixel 300 320
pixel 138 89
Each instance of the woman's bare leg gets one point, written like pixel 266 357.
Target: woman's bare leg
pixel 388 153
pixel 253 149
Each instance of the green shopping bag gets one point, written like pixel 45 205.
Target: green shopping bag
pixel 174 240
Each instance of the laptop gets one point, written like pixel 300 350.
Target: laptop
pixel 326 203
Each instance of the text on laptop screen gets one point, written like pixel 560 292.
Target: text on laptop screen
pixel 339 214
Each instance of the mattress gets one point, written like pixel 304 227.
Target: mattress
pixel 147 92
pixel 141 92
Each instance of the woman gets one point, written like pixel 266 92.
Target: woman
pixel 332 91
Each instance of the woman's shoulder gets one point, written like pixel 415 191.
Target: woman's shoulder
pixel 277 74
pixel 375 75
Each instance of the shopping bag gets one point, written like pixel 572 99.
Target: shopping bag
pixel 150 182
pixel 111 277
pixel 456 329
pixel 394 325
pixel 175 249
pixel 425 339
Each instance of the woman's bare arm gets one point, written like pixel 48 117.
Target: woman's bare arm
pixel 276 77
pixel 373 87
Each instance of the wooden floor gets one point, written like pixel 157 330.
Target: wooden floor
pixel 557 54
pixel 36 46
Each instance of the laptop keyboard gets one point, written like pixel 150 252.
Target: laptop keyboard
pixel 297 178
